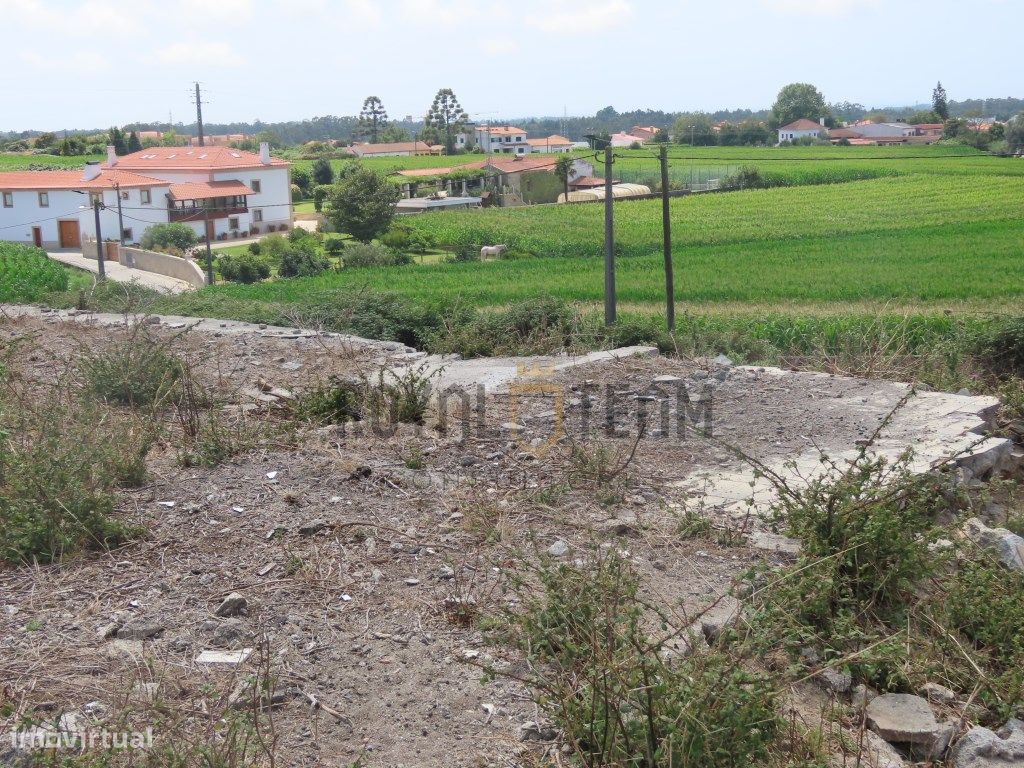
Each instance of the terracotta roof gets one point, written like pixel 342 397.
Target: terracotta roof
pixel 44 180
pixel 189 158
pixel 584 182
pixel 517 164
pixel 803 124
pixel 207 189
pixel 550 141
pixel 502 130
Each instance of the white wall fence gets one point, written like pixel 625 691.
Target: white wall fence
pixel 163 264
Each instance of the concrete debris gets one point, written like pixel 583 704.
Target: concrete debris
pixel 1009 545
pixel 773 542
pixel 878 753
pixel 558 549
pixel 835 680
pixel 982 748
pixel 140 630
pixel 902 718
pixel 720 617
pixel 232 605
pixel 938 694
pixel 224 658
pixel 723 360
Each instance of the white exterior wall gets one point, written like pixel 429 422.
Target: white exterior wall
pixel 791 134
pixel 137 216
pixel 16 223
pixel 274 197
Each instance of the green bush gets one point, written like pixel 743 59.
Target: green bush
pixel 27 274
pixel 243 267
pixel 359 255
pixel 335 402
pixel 254 248
pixel 161 236
pixel 299 263
pixel 272 246
pixel 618 700
pixel 1001 346
pixel 136 371
pixel 60 459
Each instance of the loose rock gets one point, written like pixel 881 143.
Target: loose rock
pixel 902 718
pixel 232 605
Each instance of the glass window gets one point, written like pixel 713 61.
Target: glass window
pixel 257 214
pixel 233 222
pixel 146 196
pixel 8 199
pixel 255 185
pixel 126 235
pixel 44 199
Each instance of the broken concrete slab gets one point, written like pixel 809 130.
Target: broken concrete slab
pixel 902 718
pixel 982 748
pixel 1009 545
pixel 878 753
pixel 224 658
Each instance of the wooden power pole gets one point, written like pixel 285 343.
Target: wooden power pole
pixel 199 115
pixel 666 237
pixel 609 240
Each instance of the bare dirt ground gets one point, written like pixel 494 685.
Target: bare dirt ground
pixel 352 545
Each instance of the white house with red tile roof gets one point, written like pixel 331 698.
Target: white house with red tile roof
pixel 395 149
pixel 551 145
pixel 802 128
pixel 237 191
pixel 505 139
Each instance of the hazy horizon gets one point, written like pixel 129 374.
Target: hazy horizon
pixel 94 63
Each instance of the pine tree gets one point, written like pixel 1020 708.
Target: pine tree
pixel 116 138
pixel 134 145
pixel 940 103
pixel 373 119
pixel 448 117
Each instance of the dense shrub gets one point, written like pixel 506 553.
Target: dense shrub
pixel 135 371
pixel 336 401
pixel 27 274
pixel 372 255
pixel 300 263
pixel 60 459
pixel 401 237
pixel 161 236
pixel 243 267
pixel 1001 346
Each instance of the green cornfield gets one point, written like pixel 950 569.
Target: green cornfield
pixel 27 274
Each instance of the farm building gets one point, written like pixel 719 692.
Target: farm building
pixel 594 194
pixel 237 191
pixel 396 149
pixel 551 145
pixel 802 128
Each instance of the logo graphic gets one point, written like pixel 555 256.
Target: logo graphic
pixel 536 381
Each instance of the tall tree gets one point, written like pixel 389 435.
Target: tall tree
pixel 564 171
pixel 363 204
pixel 798 100
pixel 448 117
pixel 116 138
pixel 373 119
pixel 323 172
pixel 940 102
pixel 1015 133
pixel 134 145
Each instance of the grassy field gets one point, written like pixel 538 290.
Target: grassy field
pixel 904 204
pixel 19 162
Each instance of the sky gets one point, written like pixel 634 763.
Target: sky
pixel 95 63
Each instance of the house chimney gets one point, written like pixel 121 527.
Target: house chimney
pixel 822 121
pixel 92 170
pixel 111 156
pixel 265 152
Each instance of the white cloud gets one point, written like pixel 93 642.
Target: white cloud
pixel 497 46
pixel 820 7
pixel 363 12
pixel 566 16
pixel 221 9
pixel 200 53
pixel 435 12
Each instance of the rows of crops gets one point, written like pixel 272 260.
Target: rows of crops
pixel 758 215
pixel 27 274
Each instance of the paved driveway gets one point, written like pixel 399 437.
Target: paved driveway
pixel 121 273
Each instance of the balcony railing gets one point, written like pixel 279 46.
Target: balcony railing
pixel 218 207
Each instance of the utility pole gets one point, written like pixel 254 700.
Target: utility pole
pixel 120 217
pixel 199 115
pixel 609 240
pixel 209 252
pixel 97 203
pixel 666 237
